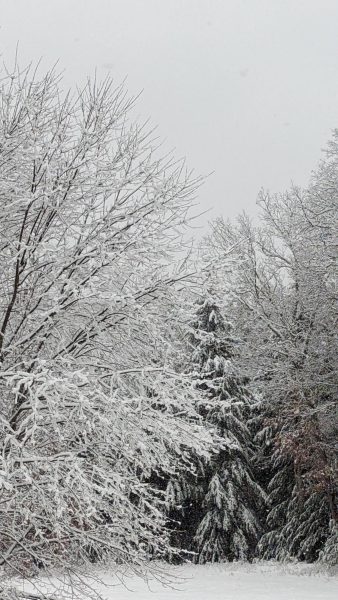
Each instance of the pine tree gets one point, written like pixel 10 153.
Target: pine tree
pixel 228 502
pixel 329 553
pixel 298 520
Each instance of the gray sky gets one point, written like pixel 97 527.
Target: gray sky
pixel 245 88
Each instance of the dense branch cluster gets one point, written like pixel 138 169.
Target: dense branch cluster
pixel 283 297
pixel 89 220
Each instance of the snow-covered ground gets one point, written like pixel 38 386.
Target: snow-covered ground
pixel 262 581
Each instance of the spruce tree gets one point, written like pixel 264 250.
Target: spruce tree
pixel 298 518
pixel 229 500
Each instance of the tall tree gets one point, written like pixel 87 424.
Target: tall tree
pixel 284 303
pixel 90 220
pixel 221 507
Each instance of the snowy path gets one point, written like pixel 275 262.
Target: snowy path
pixel 234 582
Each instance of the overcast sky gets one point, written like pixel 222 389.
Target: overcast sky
pixel 247 89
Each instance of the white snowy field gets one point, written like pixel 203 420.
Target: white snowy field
pixel 239 581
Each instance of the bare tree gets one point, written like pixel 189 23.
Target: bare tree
pixel 90 220
pixel 282 283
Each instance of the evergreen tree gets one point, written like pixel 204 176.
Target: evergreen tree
pixel 329 553
pixel 298 519
pixel 225 508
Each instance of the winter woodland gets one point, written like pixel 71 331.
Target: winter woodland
pixel 159 401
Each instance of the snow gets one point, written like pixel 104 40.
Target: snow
pixel 236 581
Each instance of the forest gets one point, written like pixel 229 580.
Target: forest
pixel 165 396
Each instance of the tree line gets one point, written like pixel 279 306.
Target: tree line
pixel 156 403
